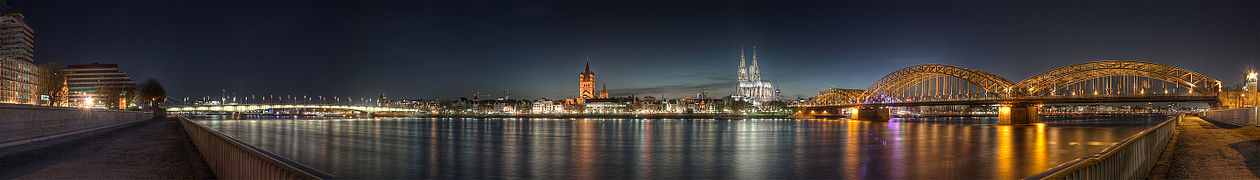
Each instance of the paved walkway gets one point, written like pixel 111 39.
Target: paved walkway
pixel 1205 150
pixel 153 149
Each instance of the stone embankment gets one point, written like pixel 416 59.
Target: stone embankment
pixel 1210 150
pixel 148 149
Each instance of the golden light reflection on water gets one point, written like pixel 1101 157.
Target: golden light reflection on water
pixel 852 150
pixel 1039 146
pixel 582 149
pixel 1005 154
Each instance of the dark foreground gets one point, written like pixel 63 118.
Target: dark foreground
pixel 153 149
pixel 1206 150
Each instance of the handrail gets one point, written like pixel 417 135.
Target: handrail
pixel 1079 168
pixel 230 158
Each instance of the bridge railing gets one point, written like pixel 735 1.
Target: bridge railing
pixel 230 158
pixel 1131 158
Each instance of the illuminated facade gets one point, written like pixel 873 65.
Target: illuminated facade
pixel 17 81
pixel 1250 86
pixel 84 80
pixel 603 93
pixel 17 67
pixel 586 83
pixel 750 87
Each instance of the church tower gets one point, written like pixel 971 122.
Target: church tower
pixel 743 69
pixel 586 82
pixel 754 71
pixel 603 94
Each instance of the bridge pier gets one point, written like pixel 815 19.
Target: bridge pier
pixel 1018 114
pixel 871 114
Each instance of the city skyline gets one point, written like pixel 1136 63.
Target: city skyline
pixel 451 54
pixel 437 89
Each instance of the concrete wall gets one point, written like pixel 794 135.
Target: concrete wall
pixel 22 123
pixel 1237 116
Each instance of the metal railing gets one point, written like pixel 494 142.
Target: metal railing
pixel 1131 158
pixel 230 158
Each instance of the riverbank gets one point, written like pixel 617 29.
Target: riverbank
pixel 1210 150
pixel 150 149
pixel 629 116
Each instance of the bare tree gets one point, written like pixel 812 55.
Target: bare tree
pixel 52 83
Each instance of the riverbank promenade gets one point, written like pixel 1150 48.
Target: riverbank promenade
pixel 149 149
pixel 1208 150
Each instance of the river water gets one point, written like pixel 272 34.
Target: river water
pixel 496 148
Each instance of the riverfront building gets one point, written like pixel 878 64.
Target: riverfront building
pixel 17 67
pixel 750 87
pixel 88 82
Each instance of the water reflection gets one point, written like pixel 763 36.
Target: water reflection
pixel 910 148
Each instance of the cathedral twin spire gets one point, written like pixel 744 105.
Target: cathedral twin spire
pixel 748 74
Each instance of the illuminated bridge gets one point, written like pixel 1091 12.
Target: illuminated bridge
pixel 1106 81
pixel 255 107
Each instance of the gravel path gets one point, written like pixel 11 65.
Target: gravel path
pixel 1204 150
pixel 153 149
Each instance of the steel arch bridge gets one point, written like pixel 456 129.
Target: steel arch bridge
pixel 1097 81
pixel 254 107
pixel 1049 82
pixel 837 96
pixel 917 82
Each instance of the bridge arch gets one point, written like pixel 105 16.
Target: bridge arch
pixel 1047 83
pixel 896 81
pixel 837 96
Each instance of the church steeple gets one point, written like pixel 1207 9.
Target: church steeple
pixel 604 92
pixel 754 70
pixel 588 65
pixel 586 82
pixel 743 69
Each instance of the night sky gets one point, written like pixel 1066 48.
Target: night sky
pixel 447 50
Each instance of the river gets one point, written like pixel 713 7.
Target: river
pixel 497 148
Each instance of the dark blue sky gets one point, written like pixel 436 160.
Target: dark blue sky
pixel 536 49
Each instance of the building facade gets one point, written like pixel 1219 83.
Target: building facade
pixel 17 65
pixel 612 105
pixel 603 93
pixel 586 83
pixel 750 87
pixel 87 81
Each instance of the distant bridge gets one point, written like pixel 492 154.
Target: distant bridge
pixel 254 107
pixel 1106 81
